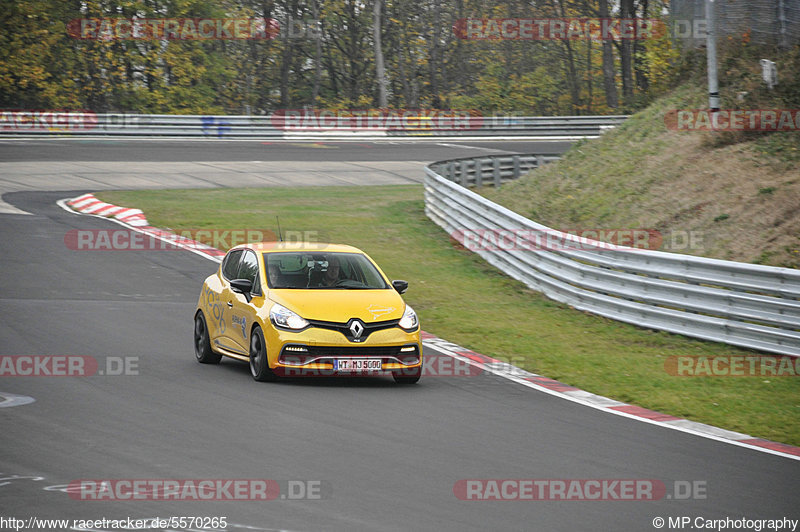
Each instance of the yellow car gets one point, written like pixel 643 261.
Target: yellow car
pixel 307 309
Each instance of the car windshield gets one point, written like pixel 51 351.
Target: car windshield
pixel 333 271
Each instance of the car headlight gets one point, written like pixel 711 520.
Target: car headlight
pixel 283 317
pixel 409 320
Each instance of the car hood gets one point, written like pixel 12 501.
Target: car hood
pixel 341 305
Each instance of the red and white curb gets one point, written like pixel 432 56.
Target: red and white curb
pixel 88 204
pixel 135 220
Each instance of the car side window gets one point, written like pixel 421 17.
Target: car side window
pixel 248 269
pixel 230 268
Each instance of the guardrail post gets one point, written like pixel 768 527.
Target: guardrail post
pixel 461 178
pixel 478 172
pixel 496 172
pixel 451 171
pixel 516 166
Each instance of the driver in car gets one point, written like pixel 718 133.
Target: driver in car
pixel 331 276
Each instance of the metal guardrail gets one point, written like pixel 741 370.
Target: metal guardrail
pixel 17 122
pixel 740 304
pixel 479 171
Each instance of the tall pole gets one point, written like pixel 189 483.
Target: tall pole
pixel 711 51
pixel 783 42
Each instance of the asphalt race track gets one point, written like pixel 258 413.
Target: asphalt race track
pixel 383 457
pixel 176 150
pixel 97 164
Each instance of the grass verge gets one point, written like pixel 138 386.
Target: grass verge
pixel 461 298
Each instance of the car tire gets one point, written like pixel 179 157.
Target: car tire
pixel 259 366
pixel 202 342
pixel 410 376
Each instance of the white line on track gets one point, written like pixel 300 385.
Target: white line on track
pixel 515 374
pixel 465 147
pixel 11 399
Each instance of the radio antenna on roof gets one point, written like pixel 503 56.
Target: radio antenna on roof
pixel 280 236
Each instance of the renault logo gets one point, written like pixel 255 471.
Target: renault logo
pixel 357 329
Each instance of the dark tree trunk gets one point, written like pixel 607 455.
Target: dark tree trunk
pixel 639 67
pixel 572 72
pixel 317 54
pixel 436 66
pixel 627 10
pixel 609 72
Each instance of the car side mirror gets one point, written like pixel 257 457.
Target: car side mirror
pixel 400 286
pixel 242 286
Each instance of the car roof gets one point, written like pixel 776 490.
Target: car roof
pixel 277 247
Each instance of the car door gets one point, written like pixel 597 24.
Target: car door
pixel 224 329
pixel 245 306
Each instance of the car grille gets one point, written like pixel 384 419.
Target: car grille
pixel 344 328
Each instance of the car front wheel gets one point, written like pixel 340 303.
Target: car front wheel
pixel 259 367
pixel 407 376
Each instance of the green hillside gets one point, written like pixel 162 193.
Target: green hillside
pixel 738 193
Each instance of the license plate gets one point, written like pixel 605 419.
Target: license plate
pixel 357 364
